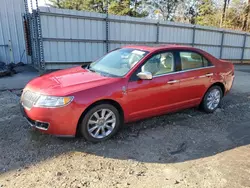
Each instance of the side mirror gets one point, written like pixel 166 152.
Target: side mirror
pixel 145 75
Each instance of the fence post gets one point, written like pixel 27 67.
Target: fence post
pixel 157 32
pixel 27 30
pixel 32 33
pixel 36 39
pixel 40 39
pixel 193 40
pixel 243 47
pixel 221 44
pixel 107 33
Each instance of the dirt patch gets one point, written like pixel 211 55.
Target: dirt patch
pixel 184 149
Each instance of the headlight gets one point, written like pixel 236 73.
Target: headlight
pixel 51 102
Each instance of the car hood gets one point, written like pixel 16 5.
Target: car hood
pixel 67 81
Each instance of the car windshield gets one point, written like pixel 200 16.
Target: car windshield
pixel 118 62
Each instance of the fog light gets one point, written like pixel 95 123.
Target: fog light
pixel 42 125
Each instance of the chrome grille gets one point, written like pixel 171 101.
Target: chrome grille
pixel 29 98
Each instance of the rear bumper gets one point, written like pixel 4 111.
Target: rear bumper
pixel 229 84
pixel 56 121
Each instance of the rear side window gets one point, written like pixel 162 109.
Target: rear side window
pixel 192 60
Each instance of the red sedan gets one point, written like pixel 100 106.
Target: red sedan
pixel 127 84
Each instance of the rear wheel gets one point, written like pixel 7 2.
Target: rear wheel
pixel 100 123
pixel 212 99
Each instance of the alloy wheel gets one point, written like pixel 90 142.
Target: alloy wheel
pixel 101 123
pixel 213 99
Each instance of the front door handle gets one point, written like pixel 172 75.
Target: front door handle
pixel 173 81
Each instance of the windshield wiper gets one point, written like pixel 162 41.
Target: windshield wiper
pixel 100 72
pixel 92 70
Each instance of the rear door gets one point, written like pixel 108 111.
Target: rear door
pixel 196 75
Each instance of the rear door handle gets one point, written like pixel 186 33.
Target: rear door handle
pixel 206 75
pixel 173 81
pixel 209 74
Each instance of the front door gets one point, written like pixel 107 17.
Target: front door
pixel 147 98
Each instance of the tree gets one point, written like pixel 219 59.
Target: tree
pixel 56 3
pixel 235 15
pixel 68 4
pixel 121 7
pixel 225 4
pixel 166 8
pixel 191 11
pixel 246 15
pixel 127 7
pixel 207 13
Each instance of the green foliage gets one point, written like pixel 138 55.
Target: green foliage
pixel 232 14
pixel 166 8
pixel 190 12
pixel 121 7
pixel 207 14
pixel 126 7
pixel 210 14
pixel 94 5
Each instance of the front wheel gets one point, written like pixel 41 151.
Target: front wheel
pixel 212 99
pixel 100 123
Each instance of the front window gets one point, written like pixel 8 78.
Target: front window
pixel 159 64
pixel 118 62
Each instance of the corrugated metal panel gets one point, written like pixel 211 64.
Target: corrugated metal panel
pixel 247 54
pixel 213 50
pixel 248 41
pixel 11 31
pixel 231 53
pixel 3 46
pixel 72 27
pixel 233 40
pixel 175 35
pixel 72 51
pixel 60 66
pixel 207 37
pixel 118 45
pixel 131 31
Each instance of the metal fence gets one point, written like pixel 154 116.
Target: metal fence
pixel 12 43
pixel 67 37
pixel 33 34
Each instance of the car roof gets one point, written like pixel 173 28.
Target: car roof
pixel 161 47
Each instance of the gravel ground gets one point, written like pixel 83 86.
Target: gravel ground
pixel 184 149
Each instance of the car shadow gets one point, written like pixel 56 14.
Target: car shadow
pixel 187 135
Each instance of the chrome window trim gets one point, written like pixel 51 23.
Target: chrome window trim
pixel 170 73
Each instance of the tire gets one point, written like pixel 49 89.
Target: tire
pixel 90 123
pixel 212 99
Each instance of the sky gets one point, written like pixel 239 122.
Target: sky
pixel 41 2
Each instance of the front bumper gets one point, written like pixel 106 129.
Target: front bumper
pixel 34 123
pixel 56 121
